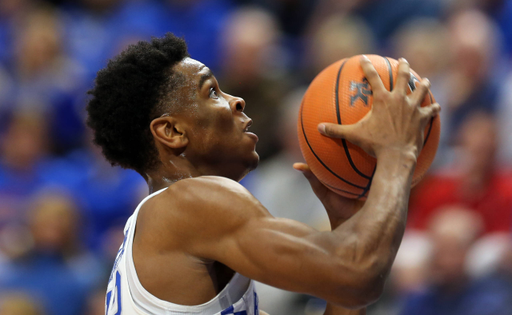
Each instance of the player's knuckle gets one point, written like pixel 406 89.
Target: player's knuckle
pixel 422 87
pixel 404 72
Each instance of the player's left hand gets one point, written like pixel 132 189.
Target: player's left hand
pixel 339 208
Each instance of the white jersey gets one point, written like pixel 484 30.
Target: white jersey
pixel 127 296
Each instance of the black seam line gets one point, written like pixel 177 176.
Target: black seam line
pixel 338 189
pixel 319 160
pixel 343 141
pixel 369 184
pixel 354 167
pixel 336 93
pixel 390 71
pixel 431 120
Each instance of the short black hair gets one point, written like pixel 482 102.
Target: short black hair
pixel 128 94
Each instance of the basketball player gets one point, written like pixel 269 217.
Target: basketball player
pixel 194 244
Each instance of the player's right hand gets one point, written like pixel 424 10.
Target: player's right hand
pixel 396 120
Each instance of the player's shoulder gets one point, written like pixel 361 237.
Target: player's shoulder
pixel 205 186
pixel 206 182
pixel 210 205
pixel 206 193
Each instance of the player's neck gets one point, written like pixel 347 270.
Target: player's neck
pixel 174 169
pixel 168 173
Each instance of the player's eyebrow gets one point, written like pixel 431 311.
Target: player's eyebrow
pixel 205 77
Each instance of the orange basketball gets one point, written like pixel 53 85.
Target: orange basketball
pixel 341 94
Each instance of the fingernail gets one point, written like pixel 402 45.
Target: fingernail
pixel 365 58
pixel 321 128
pixel 428 82
pixel 404 60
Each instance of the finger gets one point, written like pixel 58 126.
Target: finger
pixel 337 131
pixel 302 167
pixel 431 110
pixel 421 92
pixel 371 74
pixel 403 76
pixel 316 185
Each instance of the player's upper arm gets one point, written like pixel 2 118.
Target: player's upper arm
pixel 220 220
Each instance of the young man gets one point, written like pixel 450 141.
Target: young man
pixel 193 245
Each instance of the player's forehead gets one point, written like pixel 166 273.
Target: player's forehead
pixel 193 69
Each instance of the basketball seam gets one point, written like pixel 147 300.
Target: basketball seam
pixel 365 190
pixel 317 157
pixel 343 141
pixel 431 120
pixel 339 189
pixel 390 71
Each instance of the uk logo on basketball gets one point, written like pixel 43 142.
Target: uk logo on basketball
pixel 363 90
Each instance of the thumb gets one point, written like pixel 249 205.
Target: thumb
pixel 338 131
pixel 318 188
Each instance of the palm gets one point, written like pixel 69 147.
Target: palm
pixel 338 208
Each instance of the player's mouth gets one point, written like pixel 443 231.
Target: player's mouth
pixel 250 134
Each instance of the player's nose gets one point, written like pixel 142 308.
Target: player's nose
pixel 237 104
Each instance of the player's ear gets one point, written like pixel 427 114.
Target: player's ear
pixel 167 130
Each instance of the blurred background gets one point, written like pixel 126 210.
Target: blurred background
pixel 63 207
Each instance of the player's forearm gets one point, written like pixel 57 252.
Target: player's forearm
pixel 371 238
pixel 332 309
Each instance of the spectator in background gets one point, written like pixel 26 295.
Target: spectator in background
pixel 55 224
pixel 499 10
pixel 11 12
pixel 49 270
pixel 383 17
pixel 474 180
pixel 24 148
pixel 45 79
pixel 19 304
pixel 99 29
pixel 504 120
pixel 200 22
pixel 450 290
pixel 91 30
pixel 106 196
pixel 96 303
pixel 474 46
pixel 424 43
pixel 290 13
pixel 252 67
pixel 338 37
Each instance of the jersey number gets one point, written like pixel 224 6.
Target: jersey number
pixel 114 298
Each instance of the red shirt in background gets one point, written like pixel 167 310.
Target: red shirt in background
pixel 493 203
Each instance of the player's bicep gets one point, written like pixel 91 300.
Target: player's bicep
pixel 279 252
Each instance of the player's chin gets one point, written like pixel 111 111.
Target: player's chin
pixel 254 160
pixel 250 164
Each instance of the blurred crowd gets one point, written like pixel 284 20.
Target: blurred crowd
pixel 63 207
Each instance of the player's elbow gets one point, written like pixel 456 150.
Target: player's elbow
pixel 364 286
pixel 371 290
pixel 363 294
pixel 358 295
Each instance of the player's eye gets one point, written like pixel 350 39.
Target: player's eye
pixel 213 93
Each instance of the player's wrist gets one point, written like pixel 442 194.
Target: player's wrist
pixel 406 156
